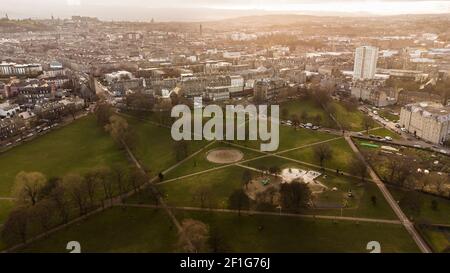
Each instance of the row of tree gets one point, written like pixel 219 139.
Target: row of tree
pixel 42 203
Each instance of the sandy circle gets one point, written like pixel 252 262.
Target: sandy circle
pixel 224 155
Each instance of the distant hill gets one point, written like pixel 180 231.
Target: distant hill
pixel 9 26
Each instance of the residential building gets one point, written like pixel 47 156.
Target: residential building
pixel 427 120
pixel 365 63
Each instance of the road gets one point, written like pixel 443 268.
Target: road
pixel 409 226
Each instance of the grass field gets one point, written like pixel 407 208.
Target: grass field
pixel 149 230
pixel 76 147
pixel 341 155
pixel 258 233
pixel 438 238
pixel 352 120
pixel 297 107
pixel 439 216
pixel 115 230
pixel 219 184
pixel 200 163
pixel 154 146
pixel 383 132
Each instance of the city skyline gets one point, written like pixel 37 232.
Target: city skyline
pixel 175 10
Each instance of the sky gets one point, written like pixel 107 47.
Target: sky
pixel 188 10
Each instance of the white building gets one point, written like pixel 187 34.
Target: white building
pixel 117 76
pixel 427 120
pixel 237 83
pixel 13 69
pixel 365 62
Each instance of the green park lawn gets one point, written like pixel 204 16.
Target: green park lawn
pixel 260 233
pixel 352 120
pixel 115 230
pixel 200 163
pixel 293 138
pixel 437 238
pixel 341 158
pixel 150 230
pixel 76 147
pixel 383 132
pixel 427 214
pixel 219 184
pixel 154 147
pixel 297 107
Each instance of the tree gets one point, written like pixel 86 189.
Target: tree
pixel 15 228
pixel 28 186
pixel 119 176
pixel 103 112
pixel 238 200
pixel 216 241
pixel 322 152
pixel 358 168
pixel 274 170
pixel 202 195
pixel 76 189
pixel 434 205
pixel 72 110
pixel 137 178
pixel 304 116
pixel 317 119
pixel 367 123
pixel 140 102
pixel 412 203
pixel 294 195
pixel 118 128
pixel 193 234
pixel 246 178
pixel 181 150
pixel 373 199
pixel 91 181
pixel 58 197
pixel 284 113
pixel 295 120
pixel 43 212
pixel 104 177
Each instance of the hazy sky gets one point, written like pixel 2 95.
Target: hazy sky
pixel 211 9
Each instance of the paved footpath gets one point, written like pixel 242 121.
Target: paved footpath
pixel 250 212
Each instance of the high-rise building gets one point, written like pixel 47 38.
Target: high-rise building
pixel 365 62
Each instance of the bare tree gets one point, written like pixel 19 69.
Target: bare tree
pixel 194 233
pixel 137 178
pixel 58 196
pixel 294 195
pixel 118 128
pixel 119 176
pixel 15 229
pixel 367 123
pixel 74 183
pixel 28 186
pixel 43 213
pixel 323 152
pixel 359 168
pixel 90 183
pixel 246 178
pixel 238 200
pixel 202 195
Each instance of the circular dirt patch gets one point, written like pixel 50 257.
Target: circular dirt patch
pixel 224 155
